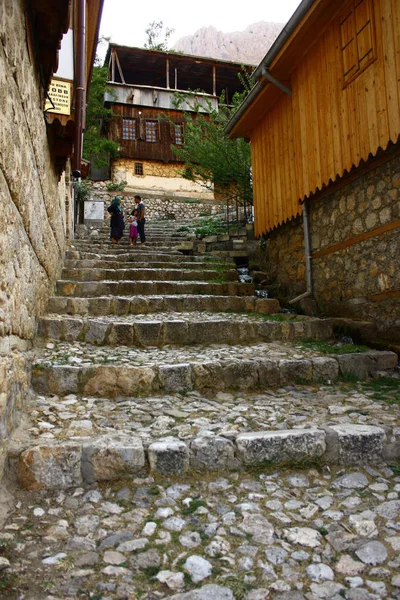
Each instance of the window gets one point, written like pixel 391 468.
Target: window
pixel 151 131
pixel 138 168
pixel 357 37
pixel 178 133
pixel 128 129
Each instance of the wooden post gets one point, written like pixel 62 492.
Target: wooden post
pixel 176 78
pixel 119 67
pixel 113 65
pixel 214 81
pixel 167 73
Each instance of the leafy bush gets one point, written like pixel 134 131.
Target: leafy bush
pixel 116 187
pixel 83 191
pixel 210 227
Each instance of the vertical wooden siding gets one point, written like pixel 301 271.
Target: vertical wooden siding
pixel 307 140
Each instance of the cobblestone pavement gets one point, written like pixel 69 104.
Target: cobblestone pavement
pixel 289 535
pixel 230 532
pixel 86 354
pixel 185 416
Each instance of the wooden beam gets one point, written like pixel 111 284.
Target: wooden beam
pixel 357 239
pixel 119 67
pixel 113 65
pixel 383 295
pixel 214 81
pixel 167 73
pixel 176 78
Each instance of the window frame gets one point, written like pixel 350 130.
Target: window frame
pixel 137 165
pixel 349 12
pixel 129 124
pixel 181 127
pixel 154 131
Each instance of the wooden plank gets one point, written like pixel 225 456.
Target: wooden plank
pixel 391 74
pixel 357 239
pixel 380 87
pixel 383 295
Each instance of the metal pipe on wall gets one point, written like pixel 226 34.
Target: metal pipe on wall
pixel 307 252
pixel 80 99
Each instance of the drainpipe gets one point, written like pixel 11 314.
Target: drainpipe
pixel 80 88
pixel 307 251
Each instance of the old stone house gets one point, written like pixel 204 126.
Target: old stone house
pixel 323 119
pixel 142 91
pixel 41 117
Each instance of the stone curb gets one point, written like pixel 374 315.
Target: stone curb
pixel 80 274
pixel 108 381
pixel 120 288
pixel 156 332
pixel 117 456
pixel 124 305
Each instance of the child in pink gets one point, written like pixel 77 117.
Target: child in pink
pixel 133 229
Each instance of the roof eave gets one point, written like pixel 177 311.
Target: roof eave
pixel 257 76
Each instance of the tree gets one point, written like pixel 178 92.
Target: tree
pixel 210 157
pixel 96 146
pixel 154 32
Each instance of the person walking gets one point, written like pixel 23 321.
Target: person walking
pixel 141 211
pixel 116 221
pixel 133 228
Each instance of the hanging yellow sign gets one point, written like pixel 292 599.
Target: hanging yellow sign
pixel 59 97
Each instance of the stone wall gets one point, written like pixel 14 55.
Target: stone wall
pixel 353 277
pixel 160 207
pixel 33 220
pixel 158 178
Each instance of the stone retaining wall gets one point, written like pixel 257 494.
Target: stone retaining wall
pixel 33 222
pixel 362 279
pixel 160 207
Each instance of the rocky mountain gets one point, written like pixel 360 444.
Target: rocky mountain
pixel 248 46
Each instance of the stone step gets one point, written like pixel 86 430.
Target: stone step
pixel 177 328
pixel 92 244
pixel 120 288
pixel 152 236
pixel 122 305
pixel 147 274
pixel 88 459
pixel 145 264
pixel 121 372
pixel 126 256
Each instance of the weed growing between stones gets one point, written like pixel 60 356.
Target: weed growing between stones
pixel 386 389
pixel 193 506
pixel 330 348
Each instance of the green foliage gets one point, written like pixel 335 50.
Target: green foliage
pixel 116 187
pixel 210 157
pixel 329 348
pixel 386 389
pixel 83 191
pixel 155 32
pixel 193 506
pixel 210 227
pixel 96 147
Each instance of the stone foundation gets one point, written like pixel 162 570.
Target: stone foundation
pixel 34 219
pixel 355 238
pixel 158 178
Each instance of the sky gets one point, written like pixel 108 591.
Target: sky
pixel 125 21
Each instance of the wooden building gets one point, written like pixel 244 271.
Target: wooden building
pixel 143 88
pixel 68 71
pixel 324 123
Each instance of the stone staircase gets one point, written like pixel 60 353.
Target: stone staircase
pixel 133 326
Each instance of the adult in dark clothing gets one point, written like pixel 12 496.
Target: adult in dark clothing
pixel 141 211
pixel 116 221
